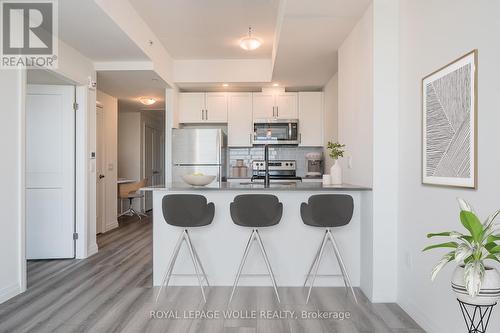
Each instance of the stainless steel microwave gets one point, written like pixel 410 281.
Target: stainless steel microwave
pixel 276 131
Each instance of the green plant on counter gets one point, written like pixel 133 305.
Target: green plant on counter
pixel 470 249
pixel 336 150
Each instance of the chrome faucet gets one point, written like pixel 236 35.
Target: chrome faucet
pixel 266 160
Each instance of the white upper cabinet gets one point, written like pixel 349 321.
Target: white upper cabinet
pixel 286 106
pixel 191 107
pixel 277 106
pixel 216 107
pixel 263 106
pixel 239 124
pixel 203 107
pixel 311 119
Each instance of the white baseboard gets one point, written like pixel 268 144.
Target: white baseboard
pixel 421 318
pixel 92 250
pixel 9 292
pixel 111 225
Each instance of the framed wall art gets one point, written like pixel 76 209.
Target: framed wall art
pixel 449 124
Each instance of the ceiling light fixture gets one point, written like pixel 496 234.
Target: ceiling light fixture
pixel 147 100
pixel 276 85
pixel 225 85
pixel 249 42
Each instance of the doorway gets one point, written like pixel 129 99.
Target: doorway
pixel 153 160
pixel 50 167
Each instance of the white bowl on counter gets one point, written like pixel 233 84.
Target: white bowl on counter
pixel 198 180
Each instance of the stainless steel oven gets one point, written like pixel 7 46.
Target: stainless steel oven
pixel 276 131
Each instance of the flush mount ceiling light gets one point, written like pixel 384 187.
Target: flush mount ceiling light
pixel 276 85
pixel 249 42
pixel 147 100
pixel 225 85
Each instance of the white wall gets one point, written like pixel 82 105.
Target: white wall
pixel 110 109
pixel 355 101
pixel 12 180
pixel 330 130
pixel 433 33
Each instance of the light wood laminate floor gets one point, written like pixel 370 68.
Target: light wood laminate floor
pixel 111 292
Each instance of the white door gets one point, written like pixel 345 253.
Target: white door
pixel 100 171
pixel 311 118
pixel 239 122
pixel 263 106
pixel 149 165
pixel 50 172
pixel 286 106
pixel 191 107
pixel 216 107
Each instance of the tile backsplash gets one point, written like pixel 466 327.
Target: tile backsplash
pixel 275 153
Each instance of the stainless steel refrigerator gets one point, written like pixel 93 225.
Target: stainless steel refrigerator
pixel 199 150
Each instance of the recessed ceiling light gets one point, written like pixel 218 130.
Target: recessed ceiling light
pixel 225 85
pixel 276 85
pixel 249 42
pixel 147 100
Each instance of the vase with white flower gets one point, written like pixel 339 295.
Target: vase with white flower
pixel 474 280
pixel 336 150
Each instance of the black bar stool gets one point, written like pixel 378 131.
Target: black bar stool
pixel 186 211
pixel 256 211
pixel 328 211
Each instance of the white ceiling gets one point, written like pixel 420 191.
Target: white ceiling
pixel 210 29
pixel 310 36
pixel 85 27
pixel 129 86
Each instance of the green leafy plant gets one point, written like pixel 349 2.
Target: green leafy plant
pixel 470 249
pixel 336 150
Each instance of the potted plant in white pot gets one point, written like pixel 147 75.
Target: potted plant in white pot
pixel 474 281
pixel 336 151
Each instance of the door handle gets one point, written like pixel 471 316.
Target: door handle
pixel 101 176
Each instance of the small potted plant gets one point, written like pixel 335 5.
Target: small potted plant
pixel 336 150
pixel 474 281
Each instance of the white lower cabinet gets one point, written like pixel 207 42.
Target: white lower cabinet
pixel 311 119
pixel 239 124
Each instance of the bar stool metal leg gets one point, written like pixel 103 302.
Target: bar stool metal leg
pixel 242 263
pixel 317 266
pixel 315 260
pixel 168 272
pixel 191 252
pixel 266 259
pixel 255 236
pixel 342 266
pixel 196 262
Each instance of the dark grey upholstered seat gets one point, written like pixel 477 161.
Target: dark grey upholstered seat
pixel 256 210
pixel 327 210
pixel 187 210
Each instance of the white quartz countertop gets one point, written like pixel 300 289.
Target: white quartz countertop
pixel 232 186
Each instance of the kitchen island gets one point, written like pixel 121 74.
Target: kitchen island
pixel 290 245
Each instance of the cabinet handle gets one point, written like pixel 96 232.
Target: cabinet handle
pixel 277 111
pixel 300 138
pixel 202 114
pixel 206 114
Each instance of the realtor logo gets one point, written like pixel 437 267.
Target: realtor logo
pixel 29 33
